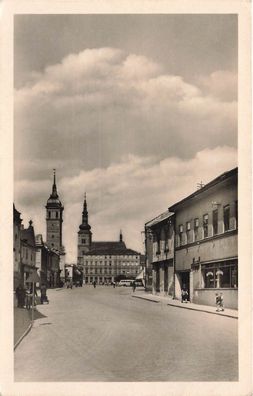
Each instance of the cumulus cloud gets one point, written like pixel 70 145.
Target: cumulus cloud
pixel 100 104
pixel 123 195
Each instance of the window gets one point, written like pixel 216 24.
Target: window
pixel 226 216
pixel 205 225
pixel 56 215
pixel 188 230
pixel 220 275
pixel 181 229
pixel 52 236
pixel 215 221
pixel 196 229
pixel 49 215
pixel 83 252
pixel 83 241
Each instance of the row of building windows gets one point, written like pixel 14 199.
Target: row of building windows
pixel 111 263
pixel 205 230
pixel 129 257
pixel 110 271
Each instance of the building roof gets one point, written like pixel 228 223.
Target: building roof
pixel 27 235
pixel 163 216
pixel 110 248
pixel 224 176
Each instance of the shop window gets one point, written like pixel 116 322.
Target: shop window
pixel 205 225
pixel 215 221
pixel 226 216
pixel 196 229
pixel 220 275
pixel 181 230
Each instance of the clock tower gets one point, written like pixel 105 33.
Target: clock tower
pixel 54 219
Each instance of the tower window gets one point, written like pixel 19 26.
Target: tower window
pixel 83 241
pixel 49 215
pixel 53 236
pixel 52 244
pixel 56 214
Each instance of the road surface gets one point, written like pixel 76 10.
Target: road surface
pixel 104 334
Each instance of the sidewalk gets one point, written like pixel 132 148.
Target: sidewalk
pixel 23 322
pixel 231 313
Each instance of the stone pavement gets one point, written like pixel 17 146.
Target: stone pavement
pixel 231 313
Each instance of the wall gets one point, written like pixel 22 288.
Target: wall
pixel 207 297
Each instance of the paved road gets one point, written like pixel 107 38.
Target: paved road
pixel 104 334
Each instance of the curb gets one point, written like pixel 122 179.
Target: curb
pixel 190 308
pixel 23 336
pixel 203 310
pixel 146 299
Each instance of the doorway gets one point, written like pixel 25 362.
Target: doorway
pixel 185 281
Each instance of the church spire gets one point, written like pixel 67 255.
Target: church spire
pixel 85 224
pixel 54 188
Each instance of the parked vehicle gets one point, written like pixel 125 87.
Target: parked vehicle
pixel 126 282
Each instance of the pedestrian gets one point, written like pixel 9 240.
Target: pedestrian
pixel 114 284
pixel 184 294
pixel 94 284
pixel 43 293
pixel 20 295
pixel 219 302
pixel 134 286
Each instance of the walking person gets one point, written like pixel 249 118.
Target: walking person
pixel 219 302
pixel 20 295
pixel 134 286
pixel 94 284
pixel 43 293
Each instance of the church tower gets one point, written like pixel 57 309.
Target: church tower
pixel 54 219
pixel 84 234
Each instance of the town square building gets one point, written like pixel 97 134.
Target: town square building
pixel 206 242
pixel 104 261
pixel 159 241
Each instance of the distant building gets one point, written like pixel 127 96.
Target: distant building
pixel 47 263
pixel 54 219
pixel 159 241
pixel 206 244
pixel 28 251
pixel 17 221
pixel 104 262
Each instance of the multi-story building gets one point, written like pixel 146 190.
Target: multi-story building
pixel 17 221
pixel 104 262
pixel 48 263
pixel 27 251
pixel 206 233
pixel 159 238
pixel 54 219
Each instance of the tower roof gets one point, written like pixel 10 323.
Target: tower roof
pixel 85 225
pixel 54 201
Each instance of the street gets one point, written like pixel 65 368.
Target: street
pixel 104 334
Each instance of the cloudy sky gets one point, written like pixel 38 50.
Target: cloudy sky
pixel 133 109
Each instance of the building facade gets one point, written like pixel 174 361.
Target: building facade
pixel 27 252
pixel 17 271
pixel 104 262
pixel 160 253
pixel 54 222
pixel 48 263
pixel 206 242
